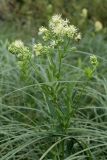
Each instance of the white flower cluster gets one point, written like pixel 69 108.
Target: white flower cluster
pixel 19 49
pixel 42 30
pixel 39 49
pixel 58 25
pixel 55 34
pixel 84 13
pixel 18 43
pixel 61 27
pixel 98 26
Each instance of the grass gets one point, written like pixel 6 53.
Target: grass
pixel 29 126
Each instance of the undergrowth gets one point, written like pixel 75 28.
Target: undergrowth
pixel 53 102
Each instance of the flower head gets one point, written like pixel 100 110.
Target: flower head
pixel 98 26
pixel 61 28
pixel 84 13
pixel 55 20
pixel 93 60
pixel 42 30
pixel 17 47
pixel 78 37
pixel 71 31
pixel 57 25
pixel 22 54
pixel 38 48
pixel 18 43
pixel 53 43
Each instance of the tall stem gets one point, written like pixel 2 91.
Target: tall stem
pixel 59 63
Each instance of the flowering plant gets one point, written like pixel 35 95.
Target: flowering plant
pixel 57 41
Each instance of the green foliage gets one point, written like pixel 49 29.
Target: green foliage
pixel 39 11
pixel 53 95
pixel 59 113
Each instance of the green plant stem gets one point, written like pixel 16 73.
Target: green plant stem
pixel 62 150
pixel 60 62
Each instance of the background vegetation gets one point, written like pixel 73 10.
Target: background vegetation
pixel 26 131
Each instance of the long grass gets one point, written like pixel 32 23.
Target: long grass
pixel 28 130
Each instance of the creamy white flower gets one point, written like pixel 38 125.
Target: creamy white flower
pixel 52 43
pixel 70 31
pixel 84 13
pixel 42 30
pixel 60 28
pixel 98 26
pixel 57 21
pixel 38 48
pixel 78 37
pixel 18 43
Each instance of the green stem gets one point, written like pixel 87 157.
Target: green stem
pixel 62 150
pixel 60 62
